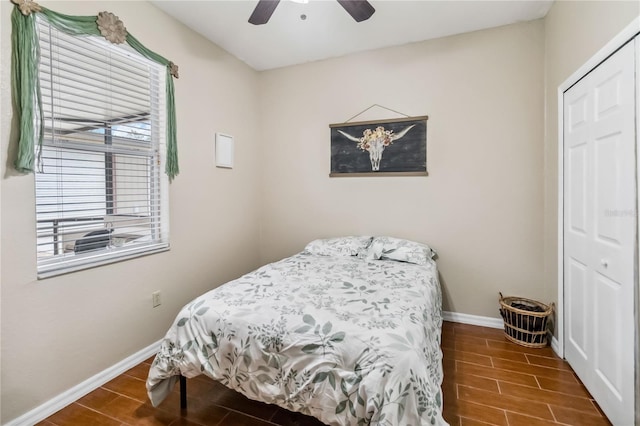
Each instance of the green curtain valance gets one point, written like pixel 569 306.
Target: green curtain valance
pixel 25 57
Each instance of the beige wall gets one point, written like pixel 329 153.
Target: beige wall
pixel 488 205
pixel 480 206
pixel 61 331
pixel 574 32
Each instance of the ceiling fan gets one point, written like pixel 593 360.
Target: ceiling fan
pixel 360 10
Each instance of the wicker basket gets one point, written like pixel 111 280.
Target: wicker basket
pixel 525 327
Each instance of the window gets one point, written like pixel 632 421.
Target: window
pixel 101 194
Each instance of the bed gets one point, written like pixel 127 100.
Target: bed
pixel 347 331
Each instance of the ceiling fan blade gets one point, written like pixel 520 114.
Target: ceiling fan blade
pixel 360 10
pixel 263 11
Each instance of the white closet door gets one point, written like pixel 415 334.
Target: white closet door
pixel 599 232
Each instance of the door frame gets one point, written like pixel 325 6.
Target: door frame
pixel 627 34
pixel 637 246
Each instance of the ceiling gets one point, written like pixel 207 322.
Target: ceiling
pixel 328 30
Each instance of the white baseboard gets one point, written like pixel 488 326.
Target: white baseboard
pixel 59 402
pixel 555 345
pixel 473 319
pixel 489 322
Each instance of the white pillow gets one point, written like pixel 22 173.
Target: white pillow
pixel 339 246
pixel 390 248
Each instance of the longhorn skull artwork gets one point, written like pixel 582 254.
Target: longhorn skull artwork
pixel 375 142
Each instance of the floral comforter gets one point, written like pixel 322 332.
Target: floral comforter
pixel 343 339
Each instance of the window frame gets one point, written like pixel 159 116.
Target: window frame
pixel 158 181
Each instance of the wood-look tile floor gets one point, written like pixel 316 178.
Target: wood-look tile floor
pixel 488 380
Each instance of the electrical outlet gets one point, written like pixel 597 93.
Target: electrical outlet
pixel 155 297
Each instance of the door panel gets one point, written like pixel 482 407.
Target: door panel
pixel 599 232
pixel 577 296
pixel 608 333
pixel 578 292
pixel 607 163
pixel 607 95
pixel 578 189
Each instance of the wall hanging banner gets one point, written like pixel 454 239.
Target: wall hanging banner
pixel 391 147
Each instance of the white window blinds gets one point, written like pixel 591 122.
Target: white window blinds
pixel 101 195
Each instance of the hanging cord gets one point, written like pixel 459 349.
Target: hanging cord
pixel 379 106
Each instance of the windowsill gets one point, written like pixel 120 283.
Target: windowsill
pixel 107 260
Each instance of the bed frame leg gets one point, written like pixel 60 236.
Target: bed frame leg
pixel 183 392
